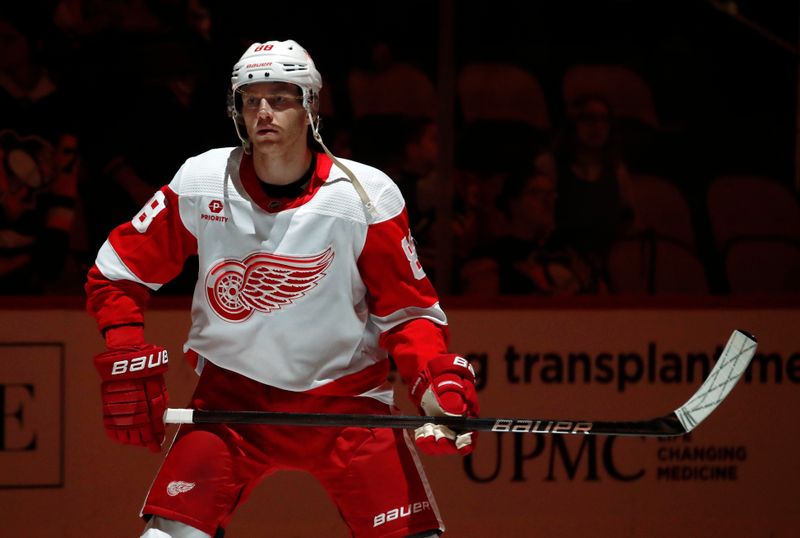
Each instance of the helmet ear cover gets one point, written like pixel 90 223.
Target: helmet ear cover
pixel 311 104
pixel 235 105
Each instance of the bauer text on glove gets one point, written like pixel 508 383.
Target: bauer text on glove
pixel 134 394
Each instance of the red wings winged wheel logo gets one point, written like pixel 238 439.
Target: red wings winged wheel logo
pixel 262 282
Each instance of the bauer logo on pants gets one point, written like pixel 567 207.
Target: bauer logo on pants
pixel 400 512
pixel 262 282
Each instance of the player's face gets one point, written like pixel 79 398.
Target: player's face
pixel 273 114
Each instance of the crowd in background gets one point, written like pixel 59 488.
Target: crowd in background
pixel 589 193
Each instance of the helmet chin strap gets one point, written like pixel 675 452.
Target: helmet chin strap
pixel 246 146
pixel 370 207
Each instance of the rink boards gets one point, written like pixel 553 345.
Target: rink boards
pixel 733 476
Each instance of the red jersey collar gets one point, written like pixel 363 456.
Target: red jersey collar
pixel 247 173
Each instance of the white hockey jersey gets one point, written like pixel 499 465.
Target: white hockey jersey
pixel 304 294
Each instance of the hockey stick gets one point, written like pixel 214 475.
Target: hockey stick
pixel 729 368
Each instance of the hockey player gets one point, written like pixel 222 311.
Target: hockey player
pixel 308 280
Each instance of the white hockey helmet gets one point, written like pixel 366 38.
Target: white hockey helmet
pixel 279 61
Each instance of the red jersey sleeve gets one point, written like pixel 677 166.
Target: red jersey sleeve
pixel 139 256
pixel 402 301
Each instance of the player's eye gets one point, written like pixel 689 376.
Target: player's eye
pixel 277 102
pixel 252 101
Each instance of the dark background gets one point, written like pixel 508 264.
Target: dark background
pixel 725 94
pixel 716 81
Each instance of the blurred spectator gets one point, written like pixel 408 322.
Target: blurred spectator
pixel 407 149
pixel 415 172
pixel 531 258
pixel 474 222
pixel 82 20
pixel 90 17
pixel 389 87
pixel 198 17
pixel 478 218
pixel 140 71
pixel 149 125
pixel 39 172
pixel 595 202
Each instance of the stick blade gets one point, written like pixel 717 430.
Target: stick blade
pixel 730 367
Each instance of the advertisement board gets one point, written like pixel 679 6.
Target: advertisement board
pixel 733 476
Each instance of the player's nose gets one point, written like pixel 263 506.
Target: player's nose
pixel 264 111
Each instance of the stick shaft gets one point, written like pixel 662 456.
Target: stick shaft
pixel 659 427
pixel 730 367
